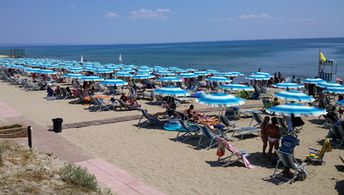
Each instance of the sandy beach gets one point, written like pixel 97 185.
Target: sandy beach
pixel 155 157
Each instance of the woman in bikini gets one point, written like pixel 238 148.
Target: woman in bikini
pixel 263 133
pixel 273 134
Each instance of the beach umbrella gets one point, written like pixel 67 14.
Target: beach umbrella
pixel 237 87
pixel 294 96
pixel 217 79
pixel 258 77
pixel 340 102
pixel 201 73
pixel 327 84
pixel 117 82
pixel 312 80
pixel 165 73
pixel 74 69
pixel 171 91
pixel 123 74
pixel 169 79
pixel 263 73
pixel 336 90
pixel 143 76
pixel 103 71
pixel 72 75
pixel 220 100
pixel 296 109
pixel 229 74
pixel 287 85
pixel 129 70
pixel 211 71
pixel 187 75
pixel 47 72
pixel 91 78
pixel 33 70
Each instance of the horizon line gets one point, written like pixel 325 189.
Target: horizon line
pixel 147 43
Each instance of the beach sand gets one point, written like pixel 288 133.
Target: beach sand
pixel 173 167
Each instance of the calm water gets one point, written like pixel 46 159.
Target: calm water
pixel 291 57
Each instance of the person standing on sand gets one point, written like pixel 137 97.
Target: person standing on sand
pixel 274 136
pixel 263 133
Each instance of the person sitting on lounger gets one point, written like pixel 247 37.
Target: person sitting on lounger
pixel 273 133
pixel 57 91
pixel 275 102
pixel 200 118
pixel 50 91
pixel 263 133
pixel 129 101
pixel 170 105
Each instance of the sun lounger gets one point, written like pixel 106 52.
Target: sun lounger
pixel 150 119
pixel 99 104
pixel 209 136
pixel 228 124
pixel 187 130
pixel 289 162
pixel 124 106
pixel 257 118
pixel 240 154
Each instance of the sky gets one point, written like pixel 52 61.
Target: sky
pixel 160 21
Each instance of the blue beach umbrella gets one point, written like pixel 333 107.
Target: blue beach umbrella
pixel 288 85
pixel 312 80
pixel 237 87
pixel 263 73
pixel 47 72
pixel 187 75
pixel 72 75
pixel 335 90
pixel 211 71
pixel 169 79
pixel 117 82
pixel 142 76
pixel 171 91
pixel 219 79
pixel 296 109
pixel 201 73
pixel 340 102
pixel 91 78
pixel 229 74
pixel 165 73
pixel 327 84
pixel 103 71
pixel 294 96
pixel 74 69
pixel 33 70
pixel 258 77
pixel 123 74
pixel 220 100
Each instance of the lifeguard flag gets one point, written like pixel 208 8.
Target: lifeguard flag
pixel 322 58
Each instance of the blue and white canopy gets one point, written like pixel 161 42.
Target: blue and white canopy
pixel 237 87
pixel 74 69
pixel 218 79
pixel 201 73
pixel 288 85
pixel 296 109
pixel 229 74
pixel 327 85
pixel 340 102
pixel 72 75
pixel 313 80
pixel 258 77
pixel 91 78
pixel 117 82
pixel 33 70
pixel 142 76
pixel 171 91
pixel 336 90
pixel 294 96
pixel 169 79
pixel 187 75
pixel 123 74
pixel 165 73
pixel 263 73
pixel 220 100
pixel 102 71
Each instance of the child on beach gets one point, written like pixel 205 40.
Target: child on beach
pixel 263 133
pixel 273 133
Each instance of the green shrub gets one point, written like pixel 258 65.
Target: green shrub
pixel 78 176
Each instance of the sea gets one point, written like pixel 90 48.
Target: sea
pixel 299 57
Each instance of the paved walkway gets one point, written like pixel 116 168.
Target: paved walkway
pixel 111 176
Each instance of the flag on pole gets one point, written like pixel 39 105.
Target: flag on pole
pixel 322 58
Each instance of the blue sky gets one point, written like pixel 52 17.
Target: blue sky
pixel 148 21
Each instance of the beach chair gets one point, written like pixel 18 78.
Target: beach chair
pixel 266 103
pixel 282 126
pixel 124 106
pixel 242 131
pixel 240 154
pixel 99 104
pixel 150 119
pixel 316 156
pixel 228 124
pixel 338 134
pixel 257 118
pixel 289 162
pixel 209 136
pixel 188 130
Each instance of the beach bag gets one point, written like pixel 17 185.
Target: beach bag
pixel 220 150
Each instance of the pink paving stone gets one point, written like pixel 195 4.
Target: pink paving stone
pixel 126 178
pixel 127 191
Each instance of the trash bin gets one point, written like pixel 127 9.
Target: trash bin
pixel 57 125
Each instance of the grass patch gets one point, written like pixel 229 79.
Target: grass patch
pixel 77 176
